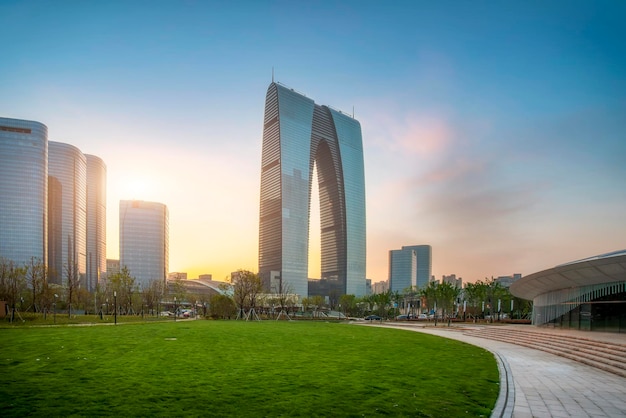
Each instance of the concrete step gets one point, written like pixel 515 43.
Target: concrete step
pixel 605 356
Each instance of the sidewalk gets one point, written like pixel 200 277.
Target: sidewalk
pixel 542 384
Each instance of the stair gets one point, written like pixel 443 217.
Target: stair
pixel 610 357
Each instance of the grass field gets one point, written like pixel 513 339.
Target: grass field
pixel 235 368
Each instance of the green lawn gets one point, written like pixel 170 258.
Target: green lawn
pixel 236 368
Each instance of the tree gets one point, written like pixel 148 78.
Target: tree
pixel 71 283
pixel 246 287
pixel 37 276
pixel 349 305
pixel 12 283
pixel 221 306
pixel 124 285
pixel 284 297
pixel 152 294
pixel 318 303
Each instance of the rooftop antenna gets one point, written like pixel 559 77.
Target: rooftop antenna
pixel 352 111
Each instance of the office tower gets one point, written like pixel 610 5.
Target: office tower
pixel 96 220
pixel 424 255
pixel 144 240
pixel 23 190
pixel 402 269
pixel 421 270
pixel 299 135
pixel 67 213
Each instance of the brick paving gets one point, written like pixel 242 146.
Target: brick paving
pixel 544 384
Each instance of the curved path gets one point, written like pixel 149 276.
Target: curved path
pixel 538 384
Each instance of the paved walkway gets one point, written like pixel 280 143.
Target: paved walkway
pixel 542 384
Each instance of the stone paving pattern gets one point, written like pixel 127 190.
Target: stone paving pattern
pixel 546 385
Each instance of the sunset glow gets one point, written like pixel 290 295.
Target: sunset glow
pixel 492 132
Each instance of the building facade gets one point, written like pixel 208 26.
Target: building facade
pixel 299 136
pixel 588 294
pixel 96 220
pixel 67 214
pixel 23 190
pixel 401 261
pixel 144 240
pixel 402 269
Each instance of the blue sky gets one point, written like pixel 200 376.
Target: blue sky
pixel 494 131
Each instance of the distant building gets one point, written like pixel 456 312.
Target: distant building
pixel 113 267
pixel 368 286
pixel 23 190
pixel 452 280
pixel 144 240
pixel 410 266
pixel 506 281
pixel 380 287
pixel 96 220
pixel 423 254
pixel 177 276
pixel 402 269
pixel 67 213
pixel 208 277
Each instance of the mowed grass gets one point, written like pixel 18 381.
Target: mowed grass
pixel 236 368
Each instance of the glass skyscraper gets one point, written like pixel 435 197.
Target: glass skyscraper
pixel 299 135
pixel 410 266
pixel 144 240
pixel 96 220
pixel 23 190
pixel 67 210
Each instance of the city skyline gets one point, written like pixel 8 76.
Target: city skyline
pixel 493 133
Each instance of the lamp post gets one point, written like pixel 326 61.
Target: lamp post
pixel 174 308
pixel 115 306
pixel 54 304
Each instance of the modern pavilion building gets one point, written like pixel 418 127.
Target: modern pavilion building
pixel 299 136
pixel 96 220
pixel 144 240
pixel 67 211
pixel 588 294
pixel 23 190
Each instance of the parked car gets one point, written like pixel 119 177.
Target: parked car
pixel 373 318
pixel 422 316
pixel 403 317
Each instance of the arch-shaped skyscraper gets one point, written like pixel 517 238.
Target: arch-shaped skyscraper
pixel 299 135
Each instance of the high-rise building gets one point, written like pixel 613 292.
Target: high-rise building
pixel 67 213
pixel 421 272
pixel 23 190
pixel 144 240
pixel 299 135
pixel 402 269
pixel 424 255
pixel 96 220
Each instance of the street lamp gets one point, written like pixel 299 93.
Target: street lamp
pixel 54 304
pixel 174 308
pixel 115 306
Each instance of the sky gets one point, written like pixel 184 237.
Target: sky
pixel 493 131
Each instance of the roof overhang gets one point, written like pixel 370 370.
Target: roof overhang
pixel 600 269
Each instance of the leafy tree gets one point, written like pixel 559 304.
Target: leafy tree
pixel 221 306
pixel 318 303
pixel 349 305
pixel 284 296
pixel 123 284
pixel 246 287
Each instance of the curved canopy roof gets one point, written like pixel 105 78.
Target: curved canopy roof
pixel 604 268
